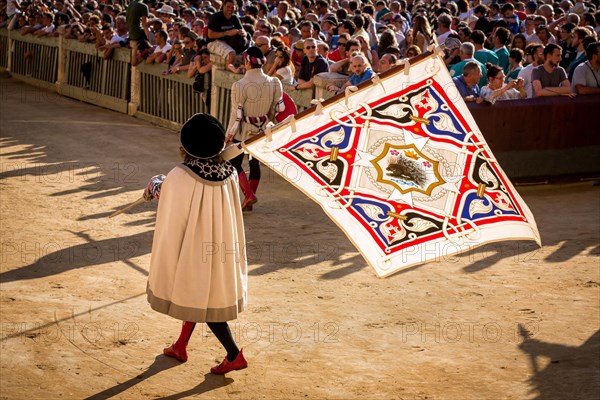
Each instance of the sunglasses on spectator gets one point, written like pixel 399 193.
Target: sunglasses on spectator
pixel 341 43
pixel 310 47
pixel 260 44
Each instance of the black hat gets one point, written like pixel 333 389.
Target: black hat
pixel 202 136
pixel 255 56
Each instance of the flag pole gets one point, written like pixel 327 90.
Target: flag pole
pixel 122 210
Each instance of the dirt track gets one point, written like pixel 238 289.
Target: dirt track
pixel 504 321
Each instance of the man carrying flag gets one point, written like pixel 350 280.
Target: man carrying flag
pixel 255 100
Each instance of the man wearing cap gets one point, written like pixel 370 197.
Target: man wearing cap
pixel 255 100
pixel 226 35
pixel 198 270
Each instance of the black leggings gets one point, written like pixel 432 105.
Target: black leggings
pixel 222 332
pixel 254 166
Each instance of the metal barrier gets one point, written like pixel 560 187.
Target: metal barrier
pixel 4 48
pixel 169 100
pixel 90 78
pixel 34 59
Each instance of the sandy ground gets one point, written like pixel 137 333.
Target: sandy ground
pixel 506 321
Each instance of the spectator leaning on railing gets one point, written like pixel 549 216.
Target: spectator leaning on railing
pixel 47 25
pixel 160 51
pixel 343 66
pixel 187 55
pixel 362 72
pixel 108 41
pixel 535 57
pixel 282 68
pixel 586 77
pixel 387 61
pixel 496 89
pixel 468 83
pixel 550 79
pixel 312 64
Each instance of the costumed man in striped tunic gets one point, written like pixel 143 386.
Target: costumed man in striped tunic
pixel 198 269
pixel 255 100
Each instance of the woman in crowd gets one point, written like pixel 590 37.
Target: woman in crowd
pixel 387 39
pixel 283 68
pixel 371 55
pixel 422 35
pixel 515 61
pixel 413 51
pixel 519 42
pixel 496 89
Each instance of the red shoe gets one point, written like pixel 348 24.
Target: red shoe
pixel 180 355
pixel 228 366
pixel 248 203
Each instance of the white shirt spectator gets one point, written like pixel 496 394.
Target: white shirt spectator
pixel 466 15
pixel 441 39
pixel 48 29
pixel 287 78
pixel 525 73
pixel 585 75
pixel 163 49
pixel 116 39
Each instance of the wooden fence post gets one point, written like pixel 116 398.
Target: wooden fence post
pixel 134 101
pixel 10 48
pixel 61 73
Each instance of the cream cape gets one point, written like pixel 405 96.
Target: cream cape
pixel 198 269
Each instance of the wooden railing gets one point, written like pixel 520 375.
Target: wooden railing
pixel 30 58
pixel 4 50
pixel 86 76
pixel 167 100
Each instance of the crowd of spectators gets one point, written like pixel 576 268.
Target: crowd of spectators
pixel 494 49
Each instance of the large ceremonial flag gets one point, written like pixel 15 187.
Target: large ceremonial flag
pixel 401 167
